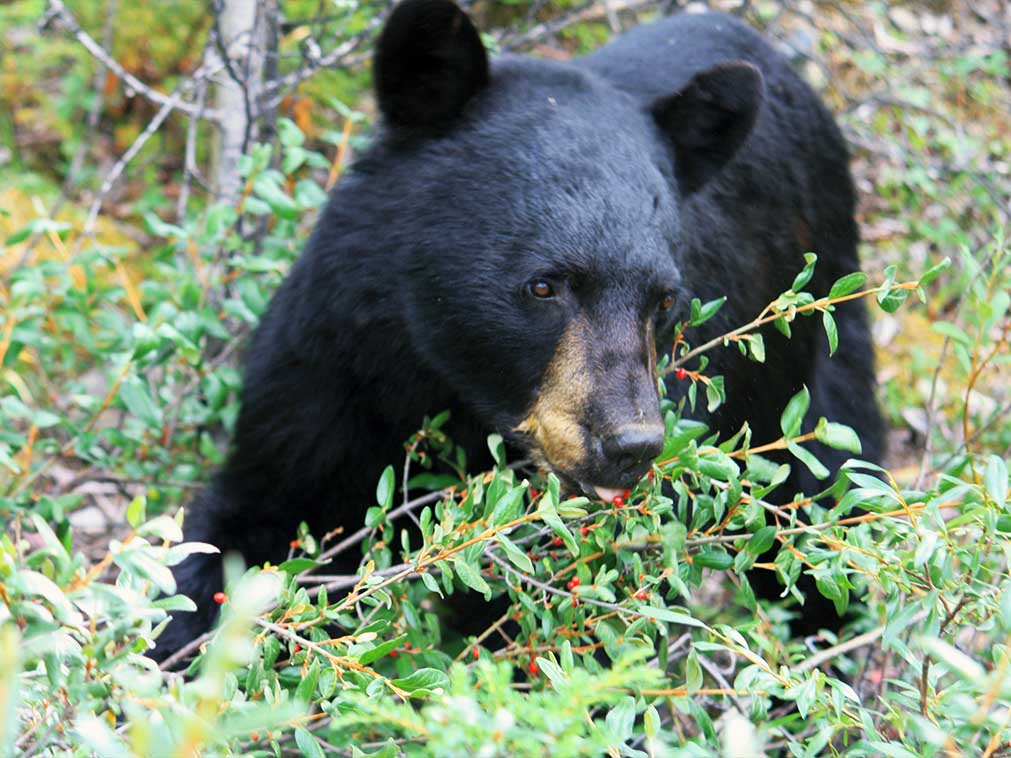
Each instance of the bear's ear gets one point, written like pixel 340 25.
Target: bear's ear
pixel 709 119
pixel 429 63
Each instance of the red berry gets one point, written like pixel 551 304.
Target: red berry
pixel 476 653
pixel 393 654
pixel 533 668
pixel 584 530
pixel 293 544
pixel 681 374
pixel 641 595
pixel 297 648
pixel 557 541
pixel 573 583
pixel 220 597
pixel 618 501
pixel 626 494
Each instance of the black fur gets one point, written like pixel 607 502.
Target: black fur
pixel 411 296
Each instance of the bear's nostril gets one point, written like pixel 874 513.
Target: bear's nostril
pixel 634 448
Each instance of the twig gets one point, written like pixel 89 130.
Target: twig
pixel 620 609
pixel 850 645
pixel 114 173
pixel 362 533
pixel 186 650
pixel 930 410
pixel 336 57
pixel 57 9
pixel 762 319
pixel 190 157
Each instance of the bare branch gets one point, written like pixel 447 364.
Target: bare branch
pixel 57 10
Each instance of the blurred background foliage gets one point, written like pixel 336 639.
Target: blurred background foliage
pixel 128 288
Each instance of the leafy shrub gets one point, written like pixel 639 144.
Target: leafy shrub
pixel 608 645
pixel 627 629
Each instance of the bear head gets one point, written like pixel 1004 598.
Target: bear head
pixel 539 232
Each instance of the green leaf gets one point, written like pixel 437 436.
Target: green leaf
pixel 381 650
pixel 267 189
pixel 621 719
pixel 995 479
pixel 573 507
pixel 10 668
pixel 715 394
pixel 289 134
pixel 308 744
pixel 805 696
pixel 162 527
pixel 135 511
pixel 307 686
pixel 651 722
pixel 808 459
pixel 139 402
pixel 175 603
pixel 958 663
pixel 701 313
pixel 831 332
pixel 1005 607
pixel 838 436
pixel 952 332
pixel 516 556
pixel 793 414
pixel 847 284
pixel 693 672
pixel 497 448
pixel 508 507
pixel 298 565
pixel 385 488
pixel 892 749
pixel 933 272
pixel 805 275
pixel 761 540
pixel 431 583
pixel 34 583
pixel 890 300
pixel 714 559
pixel 471 577
pixel 552 671
pixel 672 617
pixel 546 510
pixel 422 682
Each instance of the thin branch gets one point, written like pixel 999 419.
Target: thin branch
pixel 186 651
pixel 190 170
pixel 57 10
pixel 762 319
pixel 848 646
pixel 116 171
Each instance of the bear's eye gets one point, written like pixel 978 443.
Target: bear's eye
pixel 667 302
pixel 541 289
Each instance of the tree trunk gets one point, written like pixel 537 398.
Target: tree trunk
pixel 241 28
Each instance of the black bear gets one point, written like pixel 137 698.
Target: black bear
pixel 516 246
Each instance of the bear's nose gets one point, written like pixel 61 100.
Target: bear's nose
pixel 632 450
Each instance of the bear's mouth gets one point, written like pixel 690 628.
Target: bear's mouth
pixel 606 494
pixel 574 485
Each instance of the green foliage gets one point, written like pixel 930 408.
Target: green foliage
pixel 631 629
pixel 608 648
